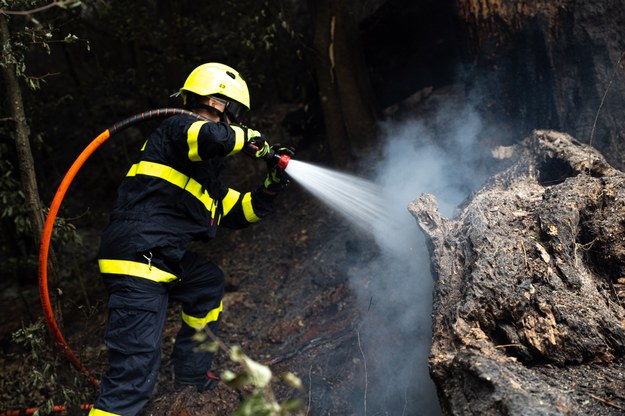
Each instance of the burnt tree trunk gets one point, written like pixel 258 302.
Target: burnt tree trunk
pixel 344 87
pixel 550 64
pixel 528 316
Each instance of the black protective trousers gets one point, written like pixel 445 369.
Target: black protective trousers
pixel 137 312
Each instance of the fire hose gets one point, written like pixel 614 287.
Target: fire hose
pixel 54 208
pixel 282 161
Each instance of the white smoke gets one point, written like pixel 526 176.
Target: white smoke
pixel 440 156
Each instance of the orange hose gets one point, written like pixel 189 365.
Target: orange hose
pixel 45 247
pixel 32 410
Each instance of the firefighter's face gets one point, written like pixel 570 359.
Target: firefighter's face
pixel 217 103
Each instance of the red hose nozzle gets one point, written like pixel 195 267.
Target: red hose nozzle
pixel 284 160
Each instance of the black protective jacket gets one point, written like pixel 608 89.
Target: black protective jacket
pixel 173 195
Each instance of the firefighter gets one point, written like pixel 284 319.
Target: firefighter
pixel 171 197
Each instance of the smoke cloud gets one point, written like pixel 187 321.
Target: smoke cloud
pixel 440 156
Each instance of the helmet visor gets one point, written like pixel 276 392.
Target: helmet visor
pixel 219 100
pixel 234 110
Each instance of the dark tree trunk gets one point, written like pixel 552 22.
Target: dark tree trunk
pixel 344 88
pixel 22 139
pixel 27 171
pixel 546 64
pixel 528 314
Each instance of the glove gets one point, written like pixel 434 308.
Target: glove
pixel 283 150
pixel 276 151
pixel 256 145
pixel 276 180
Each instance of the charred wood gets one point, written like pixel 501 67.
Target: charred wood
pixel 527 314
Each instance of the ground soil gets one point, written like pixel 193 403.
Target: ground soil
pixel 276 310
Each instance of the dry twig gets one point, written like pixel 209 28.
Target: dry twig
pixel 364 360
pixel 309 389
pixel 606 402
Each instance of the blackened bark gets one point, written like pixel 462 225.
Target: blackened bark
pixel 528 317
pixel 344 87
pixel 545 64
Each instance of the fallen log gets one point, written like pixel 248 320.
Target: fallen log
pixel 527 314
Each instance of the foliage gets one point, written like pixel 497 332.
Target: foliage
pixel 48 381
pixel 11 196
pixel 262 400
pixel 16 240
pixel 14 214
pixel 28 35
pixel 255 376
pixel 12 206
pixel 171 38
pixel 33 34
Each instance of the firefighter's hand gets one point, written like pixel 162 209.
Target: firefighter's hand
pixel 256 145
pixel 276 180
pixel 276 151
pixel 283 150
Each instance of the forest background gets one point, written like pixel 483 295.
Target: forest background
pixel 324 77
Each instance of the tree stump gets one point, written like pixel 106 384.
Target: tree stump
pixel 527 314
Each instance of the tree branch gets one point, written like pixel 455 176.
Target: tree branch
pixel 62 4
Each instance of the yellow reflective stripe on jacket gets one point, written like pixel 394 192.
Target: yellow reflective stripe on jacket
pixel 135 268
pixel 239 139
pixel 98 412
pixel 174 177
pixel 192 135
pixel 248 209
pixel 199 323
pixel 229 200
pixel 164 172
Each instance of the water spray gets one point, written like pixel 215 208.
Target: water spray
pixel 360 201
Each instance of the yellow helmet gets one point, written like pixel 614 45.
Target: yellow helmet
pixel 221 80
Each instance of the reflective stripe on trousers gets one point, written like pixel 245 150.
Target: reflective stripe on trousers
pixel 137 311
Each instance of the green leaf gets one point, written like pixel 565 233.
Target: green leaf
pixel 292 380
pixel 70 38
pixel 255 405
pixel 236 381
pixel 260 375
pixel 291 405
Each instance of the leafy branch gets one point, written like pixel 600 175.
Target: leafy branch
pixel 257 376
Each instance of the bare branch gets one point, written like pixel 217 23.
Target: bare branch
pixel 44 76
pixel 62 4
